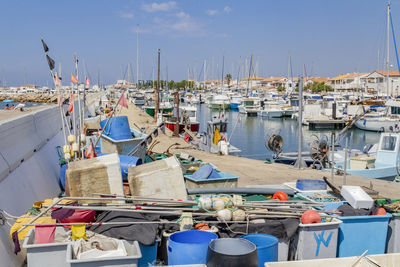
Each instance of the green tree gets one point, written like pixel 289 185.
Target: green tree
pixel 228 79
pixel 317 87
pixel 281 88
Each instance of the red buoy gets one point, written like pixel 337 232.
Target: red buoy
pixel 310 216
pixel 380 211
pixel 282 196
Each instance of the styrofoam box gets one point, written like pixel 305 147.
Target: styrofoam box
pixel 356 197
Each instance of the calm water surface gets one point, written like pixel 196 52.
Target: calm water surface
pixel 250 134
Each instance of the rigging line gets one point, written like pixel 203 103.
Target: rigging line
pixel 394 41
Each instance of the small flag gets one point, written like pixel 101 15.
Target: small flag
pixel 122 101
pixel 89 153
pixel 51 62
pixel 59 100
pixel 44 233
pixel 187 138
pixel 45 47
pixel 57 80
pixel 74 79
pixel 71 103
pixel 87 82
pixel 78 231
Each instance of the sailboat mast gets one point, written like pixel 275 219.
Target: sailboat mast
pixel 248 80
pixel 137 57
pixel 387 51
pixel 204 74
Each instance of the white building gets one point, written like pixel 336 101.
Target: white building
pixel 376 82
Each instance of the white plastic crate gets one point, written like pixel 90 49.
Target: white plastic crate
pixel 356 197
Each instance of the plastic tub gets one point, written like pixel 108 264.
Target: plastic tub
pixel 359 233
pixel 117 128
pixel 189 247
pixel 267 247
pixel 232 252
pixel 317 240
pixel 309 184
pixel 131 259
pixel 38 255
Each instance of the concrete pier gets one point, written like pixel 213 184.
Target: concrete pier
pixel 250 171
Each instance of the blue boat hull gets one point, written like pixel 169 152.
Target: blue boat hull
pixel 234 105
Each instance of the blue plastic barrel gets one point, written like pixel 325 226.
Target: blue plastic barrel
pixel 189 247
pixel 117 128
pixel 126 162
pixel 267 247
pixel 63 169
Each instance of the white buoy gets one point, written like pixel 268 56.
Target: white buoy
pixel 75 147
pixel 218 204
pixel 224 215
pixel 205 203
pixel 66 149
pixel 238 215
pixel 71 138
pixel 83 138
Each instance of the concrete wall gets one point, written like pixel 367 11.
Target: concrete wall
pixel 29 169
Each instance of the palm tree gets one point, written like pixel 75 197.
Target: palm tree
pixel 228 79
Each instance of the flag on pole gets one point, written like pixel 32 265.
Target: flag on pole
pixel 122 101
pixel 51 62
pixel 87 82
pixel 59 100
pixel 57 80
pixel 71 103
pixel 74 79
pixel 45 47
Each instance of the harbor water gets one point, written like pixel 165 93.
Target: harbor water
pixel 251 133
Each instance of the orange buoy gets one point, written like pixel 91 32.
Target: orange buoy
pixel 310 216
pixel 282 196
pixel 380 211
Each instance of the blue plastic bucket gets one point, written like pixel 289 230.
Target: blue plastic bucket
pixel 63 169
pixel 189 247
pixel 126 162
pixel 267 247
pixel 117 128
pixel 149 254
pixel 359 233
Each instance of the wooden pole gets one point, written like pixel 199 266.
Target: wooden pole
pixel 157 92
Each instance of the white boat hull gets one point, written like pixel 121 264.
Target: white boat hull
pixel 377 125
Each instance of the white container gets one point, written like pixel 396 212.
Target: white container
pixel 356 197
pixel 317 240
pixel 132 249
pixel 39 255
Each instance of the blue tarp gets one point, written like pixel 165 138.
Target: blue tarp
pixel 205 172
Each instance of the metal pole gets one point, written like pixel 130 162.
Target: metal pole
pixel 332 155
pixel 387 52
pixel 157 100
pixel 300 163
pixel 345 159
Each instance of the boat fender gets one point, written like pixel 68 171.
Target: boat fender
pixel 282 196
pixel 71 138
pixel 310 216
pixel 67 156
pixel 75 147
pixel 205 203
pixel 224 215
pixel 238 215
pixel 217 204
pixel 66 149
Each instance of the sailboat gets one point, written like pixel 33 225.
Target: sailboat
pixel 389 120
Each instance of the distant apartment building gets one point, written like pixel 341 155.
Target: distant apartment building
pixel 376 82
pixel 350 82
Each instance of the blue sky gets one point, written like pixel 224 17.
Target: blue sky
pixel 329 37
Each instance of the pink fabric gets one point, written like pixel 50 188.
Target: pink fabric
pixel 80 216
pixel 44 233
